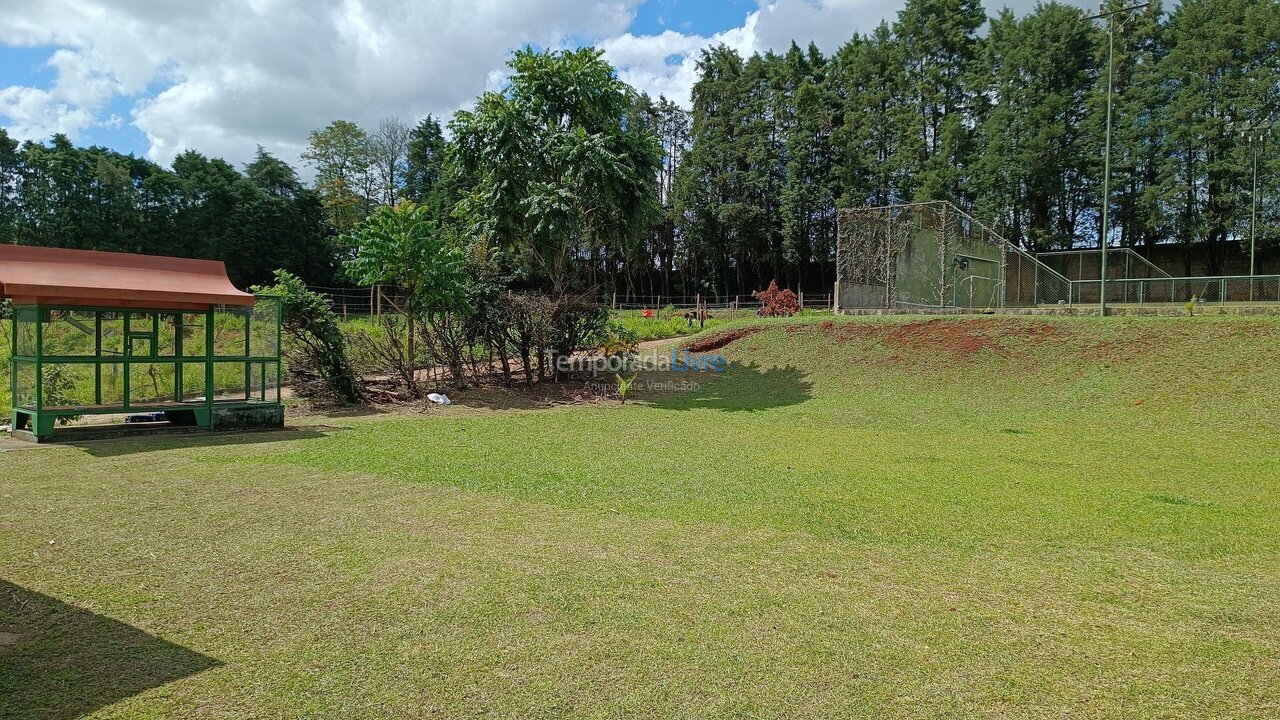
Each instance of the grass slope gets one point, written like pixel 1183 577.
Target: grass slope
pixel 865 517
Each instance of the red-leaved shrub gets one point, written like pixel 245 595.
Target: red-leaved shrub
pixel 775 302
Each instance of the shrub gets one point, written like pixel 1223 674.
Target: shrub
pixel 577 322
pixel 775 302
pixel 526 321
pixel 316 349
pixel 618 340
pixel 379 347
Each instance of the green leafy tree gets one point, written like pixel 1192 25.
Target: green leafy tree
pixel 670 123
pixel 343 157
pixel 811 182
pixel 1138 141
pixel 401 245
pixel 708 187
pixel 425 162
pixel 10 187
pixel 552 166
pixel 1221 69
pixel 317 351
pixel 868 79
pixel 1035 174
pixel 939 43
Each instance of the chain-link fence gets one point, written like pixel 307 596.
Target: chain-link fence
pixel 1086 264
pixel 933 255
pixel 1154 291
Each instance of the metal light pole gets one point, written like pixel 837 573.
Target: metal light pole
pixel 1106 161
pixel 1256 135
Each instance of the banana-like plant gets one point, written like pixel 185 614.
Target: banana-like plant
pixel 624 386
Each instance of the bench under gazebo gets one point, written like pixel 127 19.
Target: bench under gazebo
pixel 160 341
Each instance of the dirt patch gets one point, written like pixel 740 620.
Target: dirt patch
pixel 715 342
pixel 960 339
pixel 1039 333
pixel 859 331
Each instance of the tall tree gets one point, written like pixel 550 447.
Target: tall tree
pixel 1035 174
pixel 810 188
pixel 389 148
pixel 939 43
pixel 425 161
pixel 1138 141
pixel 1221 70
pixel 554 166
pixel 10 188
pixel 342 156
pixel 670 123
pixel 870 81
pixel 707 187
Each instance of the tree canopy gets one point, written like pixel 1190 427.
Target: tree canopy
pixel 584 183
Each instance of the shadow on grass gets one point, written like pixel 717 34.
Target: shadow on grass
pixel 132 446
pixel 539 396
pixel 741 387
pixel 59 661
pixel 343 411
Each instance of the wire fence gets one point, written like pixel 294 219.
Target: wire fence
pixel 1154 291
pixel 808 301
pixel 373 301
pixel 1021 283
pixel 934 255
pixel 363 302
pixel 1123 263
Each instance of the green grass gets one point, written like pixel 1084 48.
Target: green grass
pixel 669 323
pixel 879 518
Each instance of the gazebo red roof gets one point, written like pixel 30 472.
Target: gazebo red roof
pixel 58 276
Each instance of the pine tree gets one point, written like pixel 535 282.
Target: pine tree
pixel 1221 71
pixel 939 42
pixel 425 162
pixel 705 183
pixel 869 82
pixel 1034 173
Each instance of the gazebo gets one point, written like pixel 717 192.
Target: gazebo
pixel 159 340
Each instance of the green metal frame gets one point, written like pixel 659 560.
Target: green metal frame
pixel 41 420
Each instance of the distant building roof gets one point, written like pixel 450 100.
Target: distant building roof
pixel 58 276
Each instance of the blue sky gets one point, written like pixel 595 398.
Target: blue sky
pixel 28 66
pixel 699 18
pixel 156 77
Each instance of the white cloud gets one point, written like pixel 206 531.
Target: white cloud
pixel 666 64
pixel 827 23
pixel 32 112
pixel 646 61
pixel 222 76
pixel 231 74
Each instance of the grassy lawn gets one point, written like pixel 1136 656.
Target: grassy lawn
pixel 865 518
pixel 669 322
